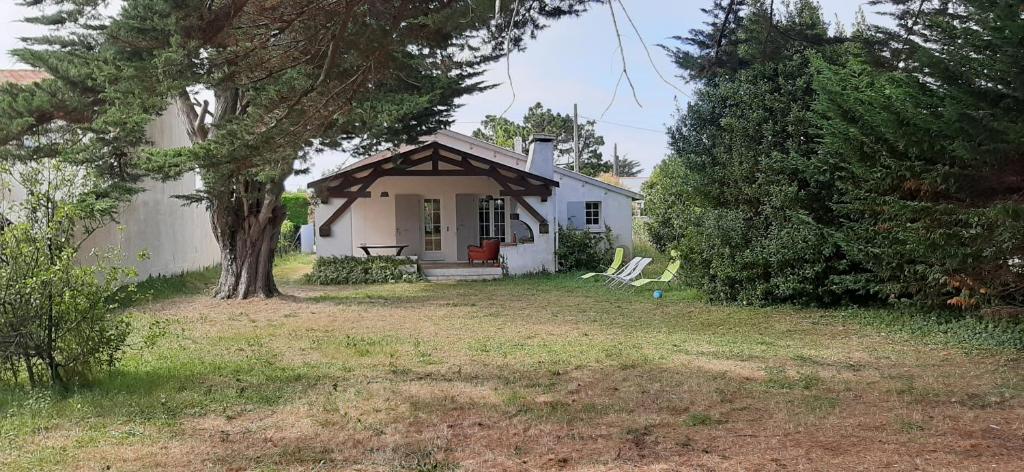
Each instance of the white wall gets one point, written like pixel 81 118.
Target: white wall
pixel 616 208
pixel 177 238
pixel 372 220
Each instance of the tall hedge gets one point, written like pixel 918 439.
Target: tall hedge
pixel 744 195
pixel 883 166
pixel 297 206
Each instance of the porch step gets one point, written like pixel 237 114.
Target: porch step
pixel 448 273
pixel 460 278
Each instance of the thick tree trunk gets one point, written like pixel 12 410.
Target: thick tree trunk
pixel 248 244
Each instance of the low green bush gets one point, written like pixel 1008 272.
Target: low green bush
pixel 288 241
pixel 968 332
pixel 583 250
pixel 349 270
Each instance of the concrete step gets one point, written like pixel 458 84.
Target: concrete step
pixel 461 278
pixel 466 271
pixel 448 273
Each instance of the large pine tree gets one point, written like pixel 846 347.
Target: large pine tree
pixel 925 130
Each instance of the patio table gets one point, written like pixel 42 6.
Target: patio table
pixel 397 247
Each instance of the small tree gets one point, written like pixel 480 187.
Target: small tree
pixel 59 316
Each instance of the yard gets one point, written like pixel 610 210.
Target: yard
pixel 524 374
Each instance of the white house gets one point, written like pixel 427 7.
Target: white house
pixel 451 191
pixel 177 238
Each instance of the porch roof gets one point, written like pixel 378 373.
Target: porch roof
pixel 427 160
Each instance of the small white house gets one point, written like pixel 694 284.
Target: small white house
pixel 435 199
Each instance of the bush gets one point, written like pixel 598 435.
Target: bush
pixel 288 240
pixel 582 250
pixel 349 270
pixel 60 320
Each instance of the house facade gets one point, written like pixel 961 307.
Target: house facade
pixel 176 237
pixel 451 191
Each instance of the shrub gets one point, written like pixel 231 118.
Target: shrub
pixel 583 250
pixel 288 239
pixel 348 270
pixel 60 319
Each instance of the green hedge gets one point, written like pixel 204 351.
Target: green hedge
pixel 297 206
pixel 349 270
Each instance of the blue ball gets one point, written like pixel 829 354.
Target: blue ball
pixel 658 294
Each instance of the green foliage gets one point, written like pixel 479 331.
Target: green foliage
pixel 297 206
pixel 947 328
pixel 503 132
pixel 581 250
pixel 927 157
pixel 349 270
pixel 167 287
pixel 820 169
pixel 60 321
pixel 289 233
pixel 743 197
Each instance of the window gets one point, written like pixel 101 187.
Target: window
pixel 593 214
pixel 431 224
pixel 522 232
pixel 492 219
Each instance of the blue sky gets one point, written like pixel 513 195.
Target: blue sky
pixel 573 61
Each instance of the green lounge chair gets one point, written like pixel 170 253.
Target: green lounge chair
pixel 668 276
pixel 620 254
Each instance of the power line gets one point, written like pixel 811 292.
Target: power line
pixel 624 125
pixel 641 128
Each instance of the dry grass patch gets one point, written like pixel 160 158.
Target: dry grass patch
pixel 524 374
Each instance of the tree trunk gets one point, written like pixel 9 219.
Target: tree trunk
pixel 247 230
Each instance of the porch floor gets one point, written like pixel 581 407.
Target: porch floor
pixel 459 271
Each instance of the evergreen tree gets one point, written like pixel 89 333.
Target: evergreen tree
pixel 743 195
pixel 713 51
pixel 502 132
pixel 285 78
pixel 926 136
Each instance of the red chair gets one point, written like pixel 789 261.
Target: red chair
pixel 486 252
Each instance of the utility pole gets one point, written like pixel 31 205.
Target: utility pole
pixel 615 160
pixel 576 137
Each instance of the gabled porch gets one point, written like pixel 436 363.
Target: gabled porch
pixel 435 201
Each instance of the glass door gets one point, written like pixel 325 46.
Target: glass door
pixel 432 234
pixel 492 218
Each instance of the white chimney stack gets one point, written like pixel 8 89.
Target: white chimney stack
pixel 542 155
pixel 517 145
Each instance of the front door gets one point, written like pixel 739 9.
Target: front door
pixel 467 227
pixel 408 223
pixel 432 230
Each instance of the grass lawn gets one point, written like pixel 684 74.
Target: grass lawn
pixel 524 374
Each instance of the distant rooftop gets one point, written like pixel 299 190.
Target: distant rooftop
pixel 22 76
pixel 634 184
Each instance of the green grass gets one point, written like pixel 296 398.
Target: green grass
pixel 166 287
pixel 484 375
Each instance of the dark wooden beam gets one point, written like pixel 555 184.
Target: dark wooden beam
pixel 526 193
pixel 325 228
pixel 333 193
